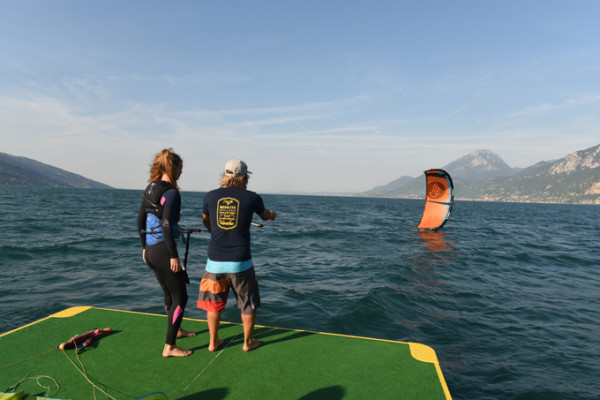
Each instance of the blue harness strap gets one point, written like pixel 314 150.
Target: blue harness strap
pixel 154 233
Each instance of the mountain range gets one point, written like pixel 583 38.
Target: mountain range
pixel 483 176
pixel 24 171
pixel 480 176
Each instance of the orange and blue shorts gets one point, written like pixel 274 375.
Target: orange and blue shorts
pixel 214 291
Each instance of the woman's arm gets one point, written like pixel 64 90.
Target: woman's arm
pixel 141 224
pixel 171 205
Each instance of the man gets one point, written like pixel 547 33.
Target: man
pixel 227 214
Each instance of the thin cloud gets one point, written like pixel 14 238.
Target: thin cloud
pixel 461 109
pixel 543 109
pixel 340 104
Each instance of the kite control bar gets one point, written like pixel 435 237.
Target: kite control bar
pixel 267 223
pixel 186 240
pixel 188 231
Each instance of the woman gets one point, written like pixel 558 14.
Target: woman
pixel 157 223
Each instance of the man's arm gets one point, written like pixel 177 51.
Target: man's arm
pixel 268 214
pixel 206 221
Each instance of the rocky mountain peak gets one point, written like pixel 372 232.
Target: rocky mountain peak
pixel 580 160
pixel 479 164
pixel 485 159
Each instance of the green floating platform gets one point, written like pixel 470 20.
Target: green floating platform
pixel 128 364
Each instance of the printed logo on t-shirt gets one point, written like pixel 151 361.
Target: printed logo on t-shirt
pixel 228 210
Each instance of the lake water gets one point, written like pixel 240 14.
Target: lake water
pixel 508 295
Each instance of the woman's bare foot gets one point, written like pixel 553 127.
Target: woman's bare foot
pixel 183 333
pixel 174 351
pixel 214 348
pixel 253 345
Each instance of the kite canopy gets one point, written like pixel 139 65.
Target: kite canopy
pixel 439 197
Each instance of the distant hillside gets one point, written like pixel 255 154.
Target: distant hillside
pixel 483 175
pixel 573 179
pixel 390 187
pixel 24 171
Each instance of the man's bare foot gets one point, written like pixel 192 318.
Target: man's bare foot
pixel 174 351
pixel 214 348
pixel 183 333
pixel 253 345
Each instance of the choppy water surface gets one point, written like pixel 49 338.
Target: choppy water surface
pixel 507 294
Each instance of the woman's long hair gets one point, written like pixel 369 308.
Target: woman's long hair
pixel 237 181
pixel 166 161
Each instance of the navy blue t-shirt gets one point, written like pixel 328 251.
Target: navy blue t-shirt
pixel 230 211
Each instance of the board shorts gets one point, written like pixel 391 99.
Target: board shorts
pixel 214 290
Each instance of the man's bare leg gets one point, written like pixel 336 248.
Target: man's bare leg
pixel 248 322
pixel 213 319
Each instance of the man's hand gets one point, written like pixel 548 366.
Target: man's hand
pixel 268 215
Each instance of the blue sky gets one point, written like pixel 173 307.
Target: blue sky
pixel 316 96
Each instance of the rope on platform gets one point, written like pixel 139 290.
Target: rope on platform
pixel 37 380
pixel 83 372
pixel 206 366
pixel 26 359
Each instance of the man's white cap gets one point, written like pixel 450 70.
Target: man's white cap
pixel 236 168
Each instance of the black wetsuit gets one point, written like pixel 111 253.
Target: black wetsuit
pixel 162 202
